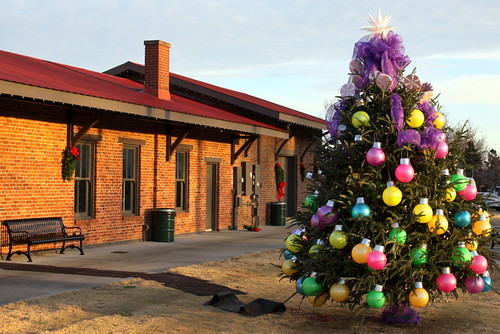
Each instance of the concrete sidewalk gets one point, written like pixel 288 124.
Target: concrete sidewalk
pixel 148 257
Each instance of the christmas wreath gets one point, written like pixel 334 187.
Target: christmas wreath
pixel 69 158
pixel 280 180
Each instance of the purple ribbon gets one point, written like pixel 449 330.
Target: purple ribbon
pixel 429 112
pixel 333 119
pixel 431 137
pixel 382 54
pixel 397 112
pixel 409 136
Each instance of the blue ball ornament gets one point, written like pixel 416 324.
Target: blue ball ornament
pixel 298 286
pixel 361 210
pixel 487 283
pixel 462 218
pixel 288 254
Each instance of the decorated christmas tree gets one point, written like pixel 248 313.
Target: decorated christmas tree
pixel 392 219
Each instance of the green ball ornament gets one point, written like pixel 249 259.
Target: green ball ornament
pixel 461 255
pixel 458 180
pixel 398 234
pixel 376 298
pixel 311 202
pixel 311 287
pixel 293 243
pixel 418 255
pixel 338 239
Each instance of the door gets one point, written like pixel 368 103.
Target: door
pixel 212 183
pixel 289 165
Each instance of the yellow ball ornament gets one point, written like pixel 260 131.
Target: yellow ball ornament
pixel 392 196
pixel 439 121
pixel 416 118
pixel 419 297
pixel 339 291
pixel 471 244
pixel 475 216
pixel 451 194
pixel 361 251
pixel 289 267
pixel 318 301
pixel 438 223
pixel 360 119
pixel 423 211
pixel 482 227
pixel 293 243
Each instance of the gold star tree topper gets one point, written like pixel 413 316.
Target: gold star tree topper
pixel 380 25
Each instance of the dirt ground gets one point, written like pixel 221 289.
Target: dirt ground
pixel 142 306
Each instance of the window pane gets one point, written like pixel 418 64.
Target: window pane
pixel 179 165
pixel 179 194
pixel 81 203
pixel 84 181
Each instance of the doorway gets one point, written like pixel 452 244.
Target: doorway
pixel 289 165
pixel 212 184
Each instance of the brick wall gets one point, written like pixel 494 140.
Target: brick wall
pixel 33 137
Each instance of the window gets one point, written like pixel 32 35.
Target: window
pixel 130 192
pixel 84 182
pixel 181 180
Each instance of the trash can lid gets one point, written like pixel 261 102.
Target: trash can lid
pixel 164 209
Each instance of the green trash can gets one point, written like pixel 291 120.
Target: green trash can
pixel 278 214
pixel 163 224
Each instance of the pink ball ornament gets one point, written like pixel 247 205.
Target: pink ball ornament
pixel 405 172
pixel 326 214
pixel 479 263
pixel 315 221
pixel 441 150
pixel 470 191
pixel 446 281
pixel 375 156
pixel 474 284
pixel 377 260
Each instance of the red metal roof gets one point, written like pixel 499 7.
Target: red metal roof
pixel 46 74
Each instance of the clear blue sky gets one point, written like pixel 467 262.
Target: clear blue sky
pixel 295 53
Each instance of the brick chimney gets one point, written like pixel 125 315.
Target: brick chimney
pixel 157 69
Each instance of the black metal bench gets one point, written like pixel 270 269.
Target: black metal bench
pixel 36 231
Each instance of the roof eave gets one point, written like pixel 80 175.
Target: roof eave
pixel 56 96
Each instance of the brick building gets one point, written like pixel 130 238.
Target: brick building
pixel 148 139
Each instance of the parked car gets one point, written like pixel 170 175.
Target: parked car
pixel 492 200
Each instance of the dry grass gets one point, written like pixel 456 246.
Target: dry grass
pixel 140 306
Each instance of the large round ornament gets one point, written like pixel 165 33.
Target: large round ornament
pixel 458 180
pixel 289 267
pixel 474 284
pixel 482 227
pixel 376 298
pixel 418 255
pixel 438 223
pixel 361 251
pixel 479 263
pixel 487 281
pixel 377 260
pixel 451 194
pixel 442 150
pixel 360 119
pixel 311 287
pixel 462 218
pixel 338 238
pixel 476 215
pixel 461 255
pixel 470 191
pixel 311 202
pixel 315 221
pixel 287 254
pixel 327 216
pixel 439 121
pixel 293 243
pixel 471 243
pixel 375 156
pixel 360 209
pixel 416 119
pixel 392 196
pixel 423 211
pixel 318 301
pixel 419 297
pixel 298 286
pixel 339 292
pixel 405 172
pixel 446 281
pixel 398 234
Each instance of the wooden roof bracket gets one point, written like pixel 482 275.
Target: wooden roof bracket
pixel 244 148
pixel 71 138
pixel 172 146
pixel 310 144
pixel 292 134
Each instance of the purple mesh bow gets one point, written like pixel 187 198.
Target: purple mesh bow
pixel 409 136
pixel 429 112
pixel 397 112
pixel 382 54
pixel 430 138
pixel 333 117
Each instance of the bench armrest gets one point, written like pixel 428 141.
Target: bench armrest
pixel 19 234
pixel 78 230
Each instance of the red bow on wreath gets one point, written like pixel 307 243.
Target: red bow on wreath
pixel 281 193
